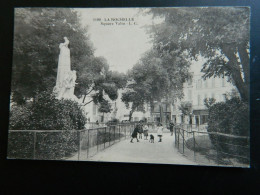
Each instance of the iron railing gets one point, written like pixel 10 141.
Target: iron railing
pixel 212 148
pixel 65 144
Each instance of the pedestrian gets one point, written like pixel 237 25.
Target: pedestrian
pixel 140 130
pixel 134 134
pixel 145 131
pixel 97 123
pixel 160 131
pixel 171 127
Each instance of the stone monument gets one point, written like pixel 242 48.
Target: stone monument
pixel 66 78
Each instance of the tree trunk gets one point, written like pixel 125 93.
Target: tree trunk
pixel 88 102
pixel 244 58
pixel 236 73
pixel 84 98
pixel 130 115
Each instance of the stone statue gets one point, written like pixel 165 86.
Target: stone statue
pixel 65 83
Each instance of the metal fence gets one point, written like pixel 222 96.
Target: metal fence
pixel 65 144
pixel 211 148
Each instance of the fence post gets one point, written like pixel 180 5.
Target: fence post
pixel 105 137
pixel 109 134
pixel 217 149
pixel 175 135
pixel 79 148
pixel 119 132
pixel 34 144
pixel 114 134
pixel 88 145
pixel 97 139
pixel 178 138
pixel 194 146
pixel 183 141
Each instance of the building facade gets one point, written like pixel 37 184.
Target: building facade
pixel 196 90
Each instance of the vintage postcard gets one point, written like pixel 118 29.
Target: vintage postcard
pixel 135 85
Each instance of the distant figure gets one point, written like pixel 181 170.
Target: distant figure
pixel 145 131
pixel 140 130
pixel 134 134
pixel 160 131
pixel 171 127
pixel 151 138
pixel 97 123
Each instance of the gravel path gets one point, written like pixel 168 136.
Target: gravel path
pixel 144 152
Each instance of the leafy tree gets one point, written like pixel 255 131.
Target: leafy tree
pixel 104 107
pixel 134 99
pixel 37 34
pixel 219 34
pixel 156 78
pixel 186 108
pixel 208 102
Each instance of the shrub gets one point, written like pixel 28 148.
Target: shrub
pixel 230 117
pixel 44 113
pixel 47 113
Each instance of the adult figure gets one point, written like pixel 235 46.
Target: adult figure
pixel 171 127
pixel 134 134
pixel 160 131
pixel 146 131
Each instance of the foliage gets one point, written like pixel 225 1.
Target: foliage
pixel 37 34
pixel 219 34
pixel 104 107
pixel 48 145
pixel 47 113
pixel 208 102
pixel 186 108
pixel 230 117
pixel 154 78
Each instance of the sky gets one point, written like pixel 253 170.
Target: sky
pixel 121 45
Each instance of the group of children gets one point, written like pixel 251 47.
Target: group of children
pixel 143 129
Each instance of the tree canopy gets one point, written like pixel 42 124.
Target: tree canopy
pixel 156 77
pixel 37 34
pixel 220 34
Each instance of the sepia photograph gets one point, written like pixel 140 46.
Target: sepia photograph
pixel 166 85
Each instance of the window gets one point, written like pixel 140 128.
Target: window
pixel 94 109
pixel 189 81
pixel 205 96
pixel 190 95
pixel 198 99
pixel 206 83
pixel 224 97
pixel 199 84
pixel 213 82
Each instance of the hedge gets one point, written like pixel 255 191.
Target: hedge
pixel 44 113
pixel 230 117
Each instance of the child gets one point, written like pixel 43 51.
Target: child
pixel 145 132
pixel 160 132
pixel 140 130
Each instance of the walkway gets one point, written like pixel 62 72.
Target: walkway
pixel 144 152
